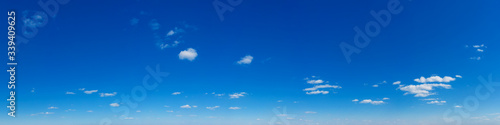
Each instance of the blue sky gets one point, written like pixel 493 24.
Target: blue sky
pixel 265 62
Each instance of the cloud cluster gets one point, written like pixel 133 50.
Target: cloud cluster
pixel 428 85
pixel 318 87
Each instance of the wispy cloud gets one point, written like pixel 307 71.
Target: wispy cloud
pixel 212 108
pixel 114 104
pixel 245 60
pixel 89 91
pixel 70 93
pixel 176 93
pixel 237 95
pixel 107 94
pixel 369 101
pixel 186 106
pixel 234 108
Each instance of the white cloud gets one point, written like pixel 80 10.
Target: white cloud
pixel 310 112
pixel 475 58
pixel 170 33
pixel 318 81
pixel 317 92
pixel 316 87
pixel 128 118
pixel 445 79
pixel 437 102
pixel 458 76
pixel 154 25
pixel 52 107
pixel 70 93
pixel 89 91
pixel 376 85
pixel 355 100
pixel 237 95
pixel 212 108
pixel 107 94
pixel 385 98
pixel 114 104
pixel 234 108
pixel 170 111
pixel 186 106
pixel 176 93
pixel 480 50
pixel 189 54
pixel 369 101
pixel 81 89
pixel 397 83
pixel 423 90
pixel 70 110
pixel 246 60
pixel 458 106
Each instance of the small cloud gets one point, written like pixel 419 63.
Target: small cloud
pixel 444 79
pixel 385 98
pixel 458 106
pixel 279 101
pixel 128 118
pixel 369 101
pixel 33 90
pixel 310 112
pixel 70 93
pixel 90 111
pixel 458 76
pixel 376 85
pixel 234 108
pixel 437 102
pixel 355 100
pixel 186 107
pixel 170 33
pixel 138 111
pixel 317 92
pixel 397 83
pixel 114 104
pixel 237 95
pixel 176 93
pixel 90 91
pixel 318 81
pixel 212 108
pixel 107 94
pixel 52 107
pixel 189 54
pixel 81 89
pixel 154 24
pixel 170 111
pixel 70 110
pixel 134 21
pixel 475 58
pixel 246 60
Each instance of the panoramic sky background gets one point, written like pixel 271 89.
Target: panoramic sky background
pixel 258 63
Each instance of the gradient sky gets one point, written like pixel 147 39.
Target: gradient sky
pixel 267 62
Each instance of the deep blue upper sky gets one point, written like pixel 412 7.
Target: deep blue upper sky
pixel 106 45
